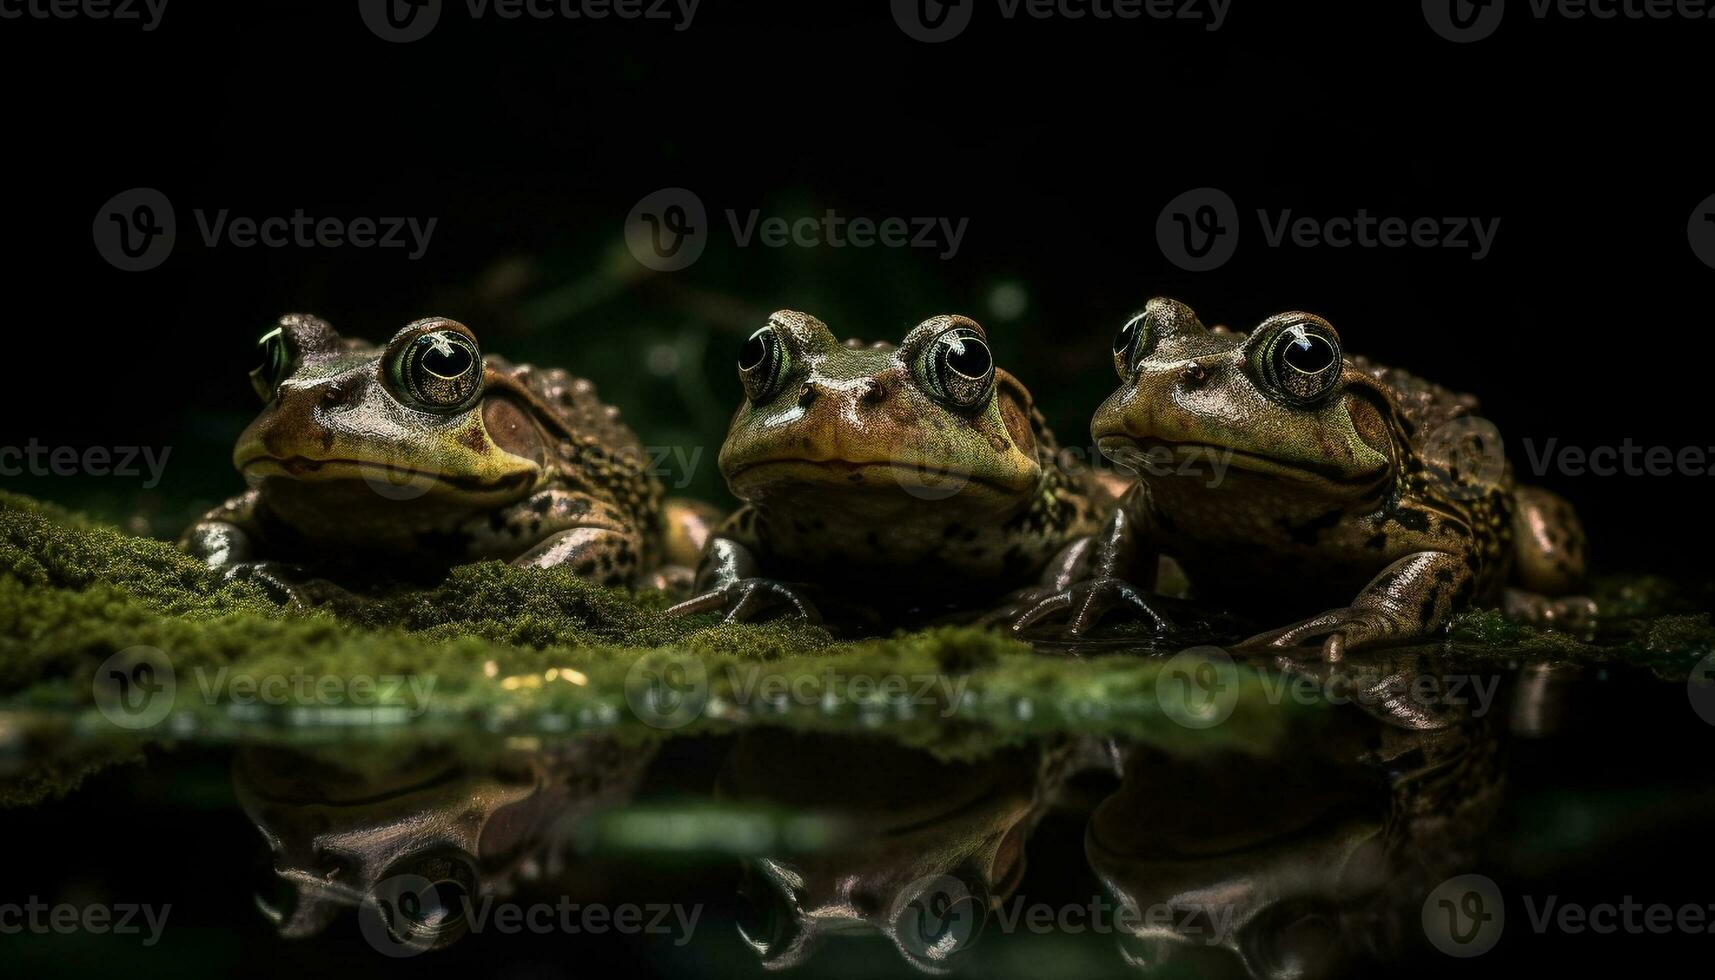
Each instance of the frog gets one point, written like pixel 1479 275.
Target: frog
pixel 1282 474
pixel 915 478
pixel 423 453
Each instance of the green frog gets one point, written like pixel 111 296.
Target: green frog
pixel 426 453
pixel 1283 474
pixel 910 478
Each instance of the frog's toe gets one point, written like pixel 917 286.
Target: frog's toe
pixel 748 599
pixel 1330 635
pixel 279 580
pixel 1088 602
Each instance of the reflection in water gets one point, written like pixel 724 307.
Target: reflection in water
pixel 421 836
pixel 1308 862
pixel 941 843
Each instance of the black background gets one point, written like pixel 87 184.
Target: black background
pixel 1060 141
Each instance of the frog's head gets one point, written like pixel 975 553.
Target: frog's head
pixel 1282 400
pixel 931 422
pixel 410 420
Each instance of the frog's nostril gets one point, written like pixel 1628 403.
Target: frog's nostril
pixel 807 395
pixel 332 396
pixel 1194 373
pixel 872 392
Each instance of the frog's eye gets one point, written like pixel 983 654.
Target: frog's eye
pixel 276 363
pixel 1299 360
pixel 1130 342
pixel 762 364
pixel 439 369
pixel 958 368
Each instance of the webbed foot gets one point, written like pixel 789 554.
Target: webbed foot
pixel 747 598
pixel 1085 603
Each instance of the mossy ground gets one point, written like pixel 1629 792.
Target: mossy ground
pixel 497 651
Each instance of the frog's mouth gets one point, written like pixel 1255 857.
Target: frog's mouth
pixel 1152 458
pixel 914 477
pixel 382 476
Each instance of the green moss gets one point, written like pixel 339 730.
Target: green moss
pixel 495 650
pixel 498 651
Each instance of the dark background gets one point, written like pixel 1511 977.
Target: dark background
pixel 1060 141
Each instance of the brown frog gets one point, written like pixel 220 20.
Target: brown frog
pixel 1284 475
pixel 910 477
pixel 426 453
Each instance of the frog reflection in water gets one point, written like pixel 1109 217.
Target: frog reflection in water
pixel 1342 478
pixel 451 832
pixel 425 453
pixel 1310 862
pixel 932 847
pixel 917 476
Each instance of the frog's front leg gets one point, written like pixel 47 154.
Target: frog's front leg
pixel 586 536
pixel 728 580
pixel 228 539
pixel 1413 597
pixel 1549 552
pixel 1121 573
pixel 225 536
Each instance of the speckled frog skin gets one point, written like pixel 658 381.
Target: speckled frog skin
pixel 1344 483
pixel 895 478
pixel 424 453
